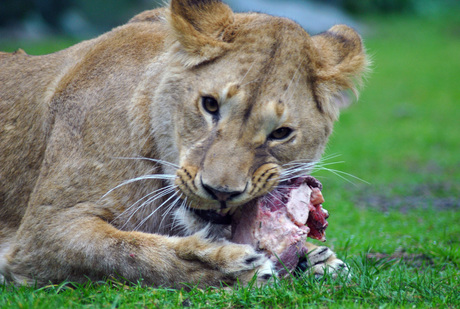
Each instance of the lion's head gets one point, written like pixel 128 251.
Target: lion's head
pixel 250 94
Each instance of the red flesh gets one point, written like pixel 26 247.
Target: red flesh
pixel 270 226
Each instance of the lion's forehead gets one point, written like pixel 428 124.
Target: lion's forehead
pixel 262 83
pixel 265 101
pixel 244 104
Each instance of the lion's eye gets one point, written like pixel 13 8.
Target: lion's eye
pixel 280 133
pixel 210 105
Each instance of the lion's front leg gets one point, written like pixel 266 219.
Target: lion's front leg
pixel 89 247
pixel 320 260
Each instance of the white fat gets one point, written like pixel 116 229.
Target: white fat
pixel 298 204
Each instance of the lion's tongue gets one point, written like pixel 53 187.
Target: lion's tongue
pixel 280 223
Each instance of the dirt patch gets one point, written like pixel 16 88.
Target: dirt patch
pixel 400 256
pixel 454 31
pixel 439 196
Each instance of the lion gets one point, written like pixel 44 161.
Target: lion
pixel 120 155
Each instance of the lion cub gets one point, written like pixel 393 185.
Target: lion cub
pixel 127 155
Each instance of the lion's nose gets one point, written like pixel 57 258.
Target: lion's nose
pixel 220 194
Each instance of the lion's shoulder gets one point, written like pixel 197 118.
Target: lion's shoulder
pixel 149 16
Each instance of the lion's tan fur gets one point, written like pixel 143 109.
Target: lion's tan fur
pixel 73 123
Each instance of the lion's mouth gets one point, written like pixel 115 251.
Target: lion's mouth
pixel 225 214
pixel 214 217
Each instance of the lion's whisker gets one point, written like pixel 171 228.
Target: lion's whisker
pixel 341 173
pixel 295 171
pixel 162 162
pixel 142 198
pixel 153 212
pixel 299 162
pixel 166 191
pixel 274 196
pixel 323 160
pixel 159 194
pixel 145 177
pixel 269 201
pixel 169 209
pixel 301 167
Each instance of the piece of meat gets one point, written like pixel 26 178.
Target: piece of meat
pixel 280 222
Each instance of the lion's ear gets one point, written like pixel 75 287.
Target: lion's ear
pixel 343 60
pixel 198 25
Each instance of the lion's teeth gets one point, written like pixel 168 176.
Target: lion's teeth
pixel 228 211
pixel 225 211
pixel 233 209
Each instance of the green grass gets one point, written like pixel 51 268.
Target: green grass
pixel 403 138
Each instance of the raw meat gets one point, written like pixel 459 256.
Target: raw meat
pixel 280 222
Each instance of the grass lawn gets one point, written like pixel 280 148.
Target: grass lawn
pixel 399 230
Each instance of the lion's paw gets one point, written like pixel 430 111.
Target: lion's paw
pixel 323 260
pixel 242 263
pixel 229 262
